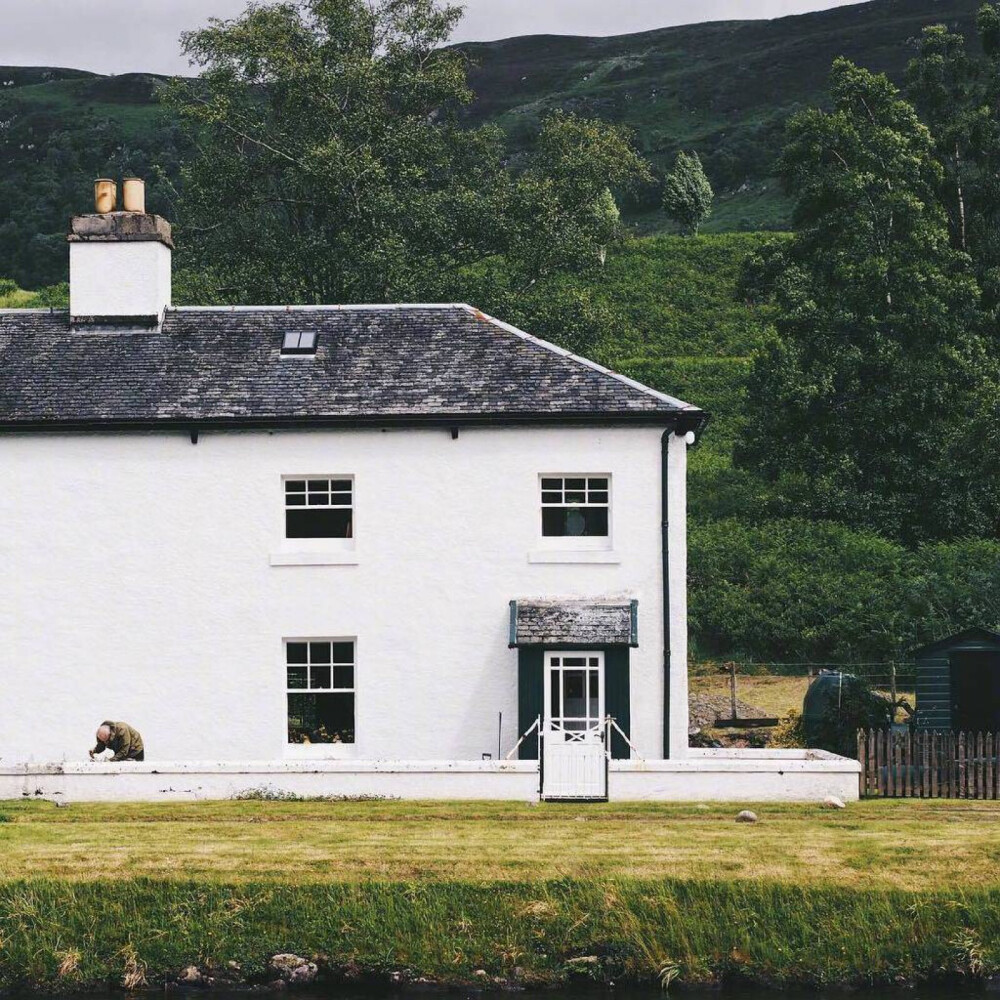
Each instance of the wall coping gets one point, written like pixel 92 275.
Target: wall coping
pixel 743 761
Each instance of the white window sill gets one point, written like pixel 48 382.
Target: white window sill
pixel 314 558
pixel 579 557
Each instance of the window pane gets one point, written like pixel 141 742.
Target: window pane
pixel 319 652
pixel 295 499
pixel 296 652
pixel 552 484
pixel 319 499
pixel 553 521
pixel 596 496
pixel 341 485
pixel 597 484
pixel 343 677
pixel 320 485
pixel 575 522
pixel 576 484
pixel 552 498
pixel 307 341
pixel 319 523
pixel 295 486
pixel 574 700
pixel 554 694
pixel 297 677
pixel 319 677
pixel 340 499
pixel 290 342
pixel 343 652
pixel 574 661
pixel 321 718
pixel 595 521
pixel 593 661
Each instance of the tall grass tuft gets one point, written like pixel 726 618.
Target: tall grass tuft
pixel 136 931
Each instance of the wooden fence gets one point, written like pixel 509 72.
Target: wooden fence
pixel 929 765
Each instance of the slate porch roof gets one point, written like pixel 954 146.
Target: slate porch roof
pixel 586 623
pixel 223 366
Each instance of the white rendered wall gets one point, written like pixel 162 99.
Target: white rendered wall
pixel 138 585
pixel 721 776
pixel 119 279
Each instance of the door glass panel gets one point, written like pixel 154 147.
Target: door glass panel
pixel 574 698
pixel 594 710
pixel 554 689
pixel 575 661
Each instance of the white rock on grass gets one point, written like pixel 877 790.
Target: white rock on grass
pixel 832 802
pixel 294 969
pixel 746 817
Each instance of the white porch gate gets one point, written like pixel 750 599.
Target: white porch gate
pixel 574 752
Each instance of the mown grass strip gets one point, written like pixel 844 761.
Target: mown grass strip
pixel 60 935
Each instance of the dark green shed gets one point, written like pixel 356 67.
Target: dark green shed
pixel 958 683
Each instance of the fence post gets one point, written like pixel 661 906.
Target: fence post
pixel 908 763
pixel 872 777
pixel 934 772
pixel 961 766
pixel 892 686
pixel 988 752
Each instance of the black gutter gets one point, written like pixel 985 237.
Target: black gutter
pixel 681 421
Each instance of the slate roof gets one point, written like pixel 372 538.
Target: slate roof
pixel 589 623
pixel 408 363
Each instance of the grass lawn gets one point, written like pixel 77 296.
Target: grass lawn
pixel 499 894
pixel 910 845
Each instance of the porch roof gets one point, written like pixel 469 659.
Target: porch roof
pixel 585 623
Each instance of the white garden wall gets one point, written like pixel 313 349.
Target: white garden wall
pixel 147 579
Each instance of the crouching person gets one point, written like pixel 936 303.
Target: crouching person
pixel 121 738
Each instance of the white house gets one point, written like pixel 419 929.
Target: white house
pixel 340 550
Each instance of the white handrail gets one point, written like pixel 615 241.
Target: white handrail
pixel 609 721
pixel 535 725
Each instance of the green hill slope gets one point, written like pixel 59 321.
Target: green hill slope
pixel 724 89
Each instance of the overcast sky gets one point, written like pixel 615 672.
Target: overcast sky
pixel 120 36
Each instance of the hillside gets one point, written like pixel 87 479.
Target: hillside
pixel 724 89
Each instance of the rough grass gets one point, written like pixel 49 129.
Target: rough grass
pixel 880 893
pixel 947 844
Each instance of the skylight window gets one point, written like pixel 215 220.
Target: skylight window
pixel 299 343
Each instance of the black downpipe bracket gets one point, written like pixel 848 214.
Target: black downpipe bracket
pixel 665 549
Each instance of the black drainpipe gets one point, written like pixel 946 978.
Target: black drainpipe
pixel 665 501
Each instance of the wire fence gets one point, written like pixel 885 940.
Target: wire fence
pixel 891 676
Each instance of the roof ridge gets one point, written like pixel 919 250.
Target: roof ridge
pixel 586 362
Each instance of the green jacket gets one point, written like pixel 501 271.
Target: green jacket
pixel 125 741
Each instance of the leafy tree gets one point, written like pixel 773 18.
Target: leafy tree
pixel 863 404
pixel 331 166
pixel 687 193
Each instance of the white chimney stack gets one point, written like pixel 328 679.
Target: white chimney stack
pixel 119 262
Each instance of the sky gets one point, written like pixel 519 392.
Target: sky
pixel 122 36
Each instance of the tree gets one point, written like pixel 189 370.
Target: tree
pixel 864 403
pixel 687 193
pixel 331 166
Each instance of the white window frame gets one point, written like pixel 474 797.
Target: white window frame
pixel 315 551
pixel 312 751
pixel 575 543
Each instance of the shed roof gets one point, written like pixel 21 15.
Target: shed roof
pixel 224 366
pixel 586 623
pixel 976 635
